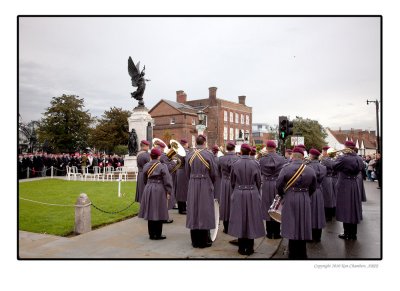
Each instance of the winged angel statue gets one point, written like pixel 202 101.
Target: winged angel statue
pixel 138 81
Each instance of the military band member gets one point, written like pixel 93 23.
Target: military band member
pixel 201 170
pixel 348 203
pixel 182 180
pixel 288 155
pixel 143 157
pixel 318 220
pixel 154 203
pixel 224 169
pixel 328 190
pixel 245 220
pixel 271 165
pixel 360 180
pixel 296 183
pixel 253 152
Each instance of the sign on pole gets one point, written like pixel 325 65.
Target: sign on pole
pixel 296 140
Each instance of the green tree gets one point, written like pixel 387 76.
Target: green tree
pixel 121 150
pixel 65 125
pixel 111 130
pixel 313 132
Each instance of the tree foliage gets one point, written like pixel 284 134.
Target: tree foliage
pixel 313 132
pixel 111 130
pixel 65 125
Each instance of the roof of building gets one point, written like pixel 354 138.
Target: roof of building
pixel 368 137
pixel 184 108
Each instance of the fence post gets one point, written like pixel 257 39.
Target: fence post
pixel 27 172
pixel 83 221
pixel 51 171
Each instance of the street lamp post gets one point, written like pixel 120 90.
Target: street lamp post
pixel 201 126
pixel 246 136
pixel 377 123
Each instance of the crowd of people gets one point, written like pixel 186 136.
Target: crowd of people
pixel 41 164
pixel 314 190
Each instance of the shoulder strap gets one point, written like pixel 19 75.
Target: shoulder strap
pixel 200 157
pixel 294 178
pixel 152 168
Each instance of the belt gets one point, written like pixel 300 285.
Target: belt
pixel 350 177
pixel 154 181
pixel 226 177
pixel 297 189
pixel 198 176
pixel 245 187
pixel 270 178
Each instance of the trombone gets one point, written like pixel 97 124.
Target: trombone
pixel 332 153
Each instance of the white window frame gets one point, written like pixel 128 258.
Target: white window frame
pixel 225 115
pixel 247 119
pixel 231 117
pixel 225 133
pixel 237 133
pixel 231 137
pixel 241 118
pixel 172 120
pixel 236 117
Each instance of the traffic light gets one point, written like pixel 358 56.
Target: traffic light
pixel 289 128
pixel 283 122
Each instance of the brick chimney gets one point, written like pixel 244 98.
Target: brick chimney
pixel 181 96
pixel 212 92
pixel 242 100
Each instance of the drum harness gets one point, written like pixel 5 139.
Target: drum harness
pixel 197 154
pixel 294 178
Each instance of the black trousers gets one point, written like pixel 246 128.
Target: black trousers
pixel 297 249
pixel 200 238
pixel 155 228
pixel 350 229
pixel 246 245
pixel 316 234
pixel 226 224
pixel 328 213
pixel 273 229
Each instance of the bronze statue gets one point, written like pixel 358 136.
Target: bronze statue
pixel 138 81
pixel 133 143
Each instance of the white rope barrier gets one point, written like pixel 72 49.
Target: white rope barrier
pixel 50 204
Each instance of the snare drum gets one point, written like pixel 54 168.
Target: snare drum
pixel 275 209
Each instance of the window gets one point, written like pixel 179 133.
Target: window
pixel 247 119
pixel 231 137
pixel 225 133
pixel 193 121
pixel 225 115
pixel 231 116
pixel 237 133
pixel 241 118
pixel 236 117
pixel 172 121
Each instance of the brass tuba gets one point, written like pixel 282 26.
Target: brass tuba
pixel 176 149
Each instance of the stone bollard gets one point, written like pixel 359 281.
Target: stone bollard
pixel 83 220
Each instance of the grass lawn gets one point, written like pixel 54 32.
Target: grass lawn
pixel 60 220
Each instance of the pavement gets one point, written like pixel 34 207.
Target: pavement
pixel 369 234
pixel 129 240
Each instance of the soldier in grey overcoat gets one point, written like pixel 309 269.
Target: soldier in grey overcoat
pixel 348 203
pixel 182 180
pixel 271 164
pixel 154 203
pixel 360 180
pixel 143 157
pixel 327 185
pixel 170 165
pixel 201 170
pixel 318 220
pixel 296 209
pixel 245 219
pixel 217 183
pixel 224 169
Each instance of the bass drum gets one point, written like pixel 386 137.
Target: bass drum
pixel 214 232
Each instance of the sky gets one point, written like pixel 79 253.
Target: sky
pixel 322 68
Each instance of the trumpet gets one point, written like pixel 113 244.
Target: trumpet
pixel 333 153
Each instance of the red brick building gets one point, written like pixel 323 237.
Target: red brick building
pixel 225 119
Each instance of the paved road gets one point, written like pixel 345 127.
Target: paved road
pixel 368 243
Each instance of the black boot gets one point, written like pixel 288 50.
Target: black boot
pixel 345 234
pixel 193 237
pixel 353 231
pixel 269 227
pixel 292 249
pixel 316 234
pixel 328 214
pixel 182 207
pixel 302 249
pixel 333 212
pixel 150 227
pixel 249 246
pixel 242 246
pixel 158 226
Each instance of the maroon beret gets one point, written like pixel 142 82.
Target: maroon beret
pixel 155 152
pixel 184 140
pixel 301 146
pixel 349 144
pixel 253 150
pixel 289 150
pixel 231 143
pixel 145 142
pixel 245 146
pixel 271 144
pixel 298 150
pixel 314 152
pixel 160 143
pixel 325 148
pixel 215 149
